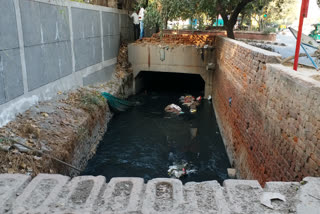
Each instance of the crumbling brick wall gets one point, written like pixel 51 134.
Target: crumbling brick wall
pixel 268 114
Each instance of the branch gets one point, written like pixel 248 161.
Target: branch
pixel 237 10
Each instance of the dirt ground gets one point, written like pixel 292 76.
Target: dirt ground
pixel 181 39
pixel 55 126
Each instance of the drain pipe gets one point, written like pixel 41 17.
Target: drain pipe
pixel 42 153
pixel 163 53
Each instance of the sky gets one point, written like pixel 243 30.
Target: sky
pixel 313 16
pixel 314 10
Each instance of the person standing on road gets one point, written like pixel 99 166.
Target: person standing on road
pixel 136 23
pixel 141 18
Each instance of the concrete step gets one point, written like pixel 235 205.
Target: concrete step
pixel 87 194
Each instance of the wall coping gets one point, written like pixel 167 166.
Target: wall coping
pixel 302 76
pixel 219 31
pixel 89 194
pixel 69 3
pixel 252 48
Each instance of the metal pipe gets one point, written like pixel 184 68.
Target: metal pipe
pixel 303 14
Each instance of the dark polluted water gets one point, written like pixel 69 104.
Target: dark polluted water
pixel 144 141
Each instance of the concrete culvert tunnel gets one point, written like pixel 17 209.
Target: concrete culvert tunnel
pixel 174 82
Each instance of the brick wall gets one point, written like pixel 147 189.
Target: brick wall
pixel 268 114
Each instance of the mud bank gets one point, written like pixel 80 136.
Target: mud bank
pixel 69 127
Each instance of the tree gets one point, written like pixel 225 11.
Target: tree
pixel 208 7
pixel 282 11
pixel 159 12
pixel 230 10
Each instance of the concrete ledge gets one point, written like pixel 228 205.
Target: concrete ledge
pixel 88 194
pixel 82 5
pixel 251 35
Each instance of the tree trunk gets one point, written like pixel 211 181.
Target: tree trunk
pixel 230 33
pixel 166 23
pixel 229 23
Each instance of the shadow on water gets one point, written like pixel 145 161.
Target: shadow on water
pixel 145 141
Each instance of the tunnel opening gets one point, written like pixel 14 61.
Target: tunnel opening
pixel 170 82
pixel 148 142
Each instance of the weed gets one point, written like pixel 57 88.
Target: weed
pixel 89 101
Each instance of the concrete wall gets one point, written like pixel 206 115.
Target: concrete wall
pixel 50 46
pixel 172 59
pixel 268 114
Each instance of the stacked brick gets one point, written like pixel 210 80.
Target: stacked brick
pixel 269 114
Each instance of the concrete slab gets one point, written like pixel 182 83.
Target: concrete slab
pixel 110 24
pixel 35 67
pixel 81 193
pixel 87 52
pixel 123 195
pixel 2 86
pixel 31 23
pixel 39 194
pixel 85 23
pixel 244 196
pixel 11 83
pixel 204 197
pixel 64 58
pixel 100 76
pixel 47 63
pixel 10 187
pixel 163 195
pixel 111 46
pixel 309 196
pixel 289 190
pixel 43 23
pixel 54 23
pixel 8 26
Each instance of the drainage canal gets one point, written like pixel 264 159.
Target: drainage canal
pixel 145 140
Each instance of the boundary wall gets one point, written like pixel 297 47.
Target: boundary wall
pixel 268 114
pixel 48 46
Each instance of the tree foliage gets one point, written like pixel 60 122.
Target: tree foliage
pixel 282 11
pixel 159 12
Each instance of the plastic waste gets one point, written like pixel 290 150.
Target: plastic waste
pixel 266 198
pixel 173 108
pixel 180 170
pixel 177 170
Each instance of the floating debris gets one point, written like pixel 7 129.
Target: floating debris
pixel 178 170
pixel 173 108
